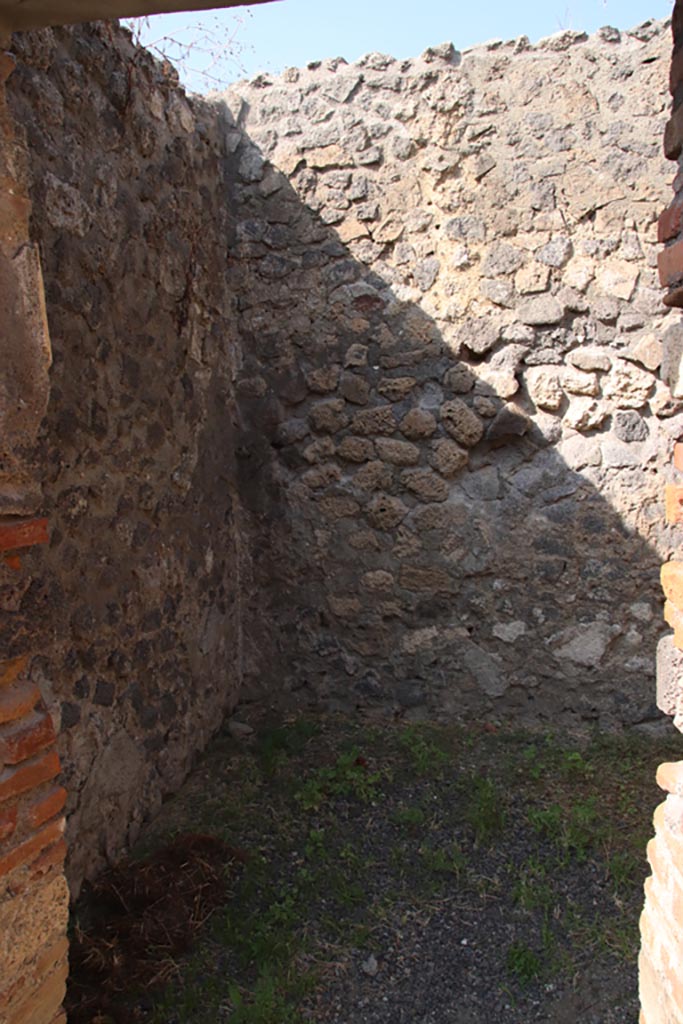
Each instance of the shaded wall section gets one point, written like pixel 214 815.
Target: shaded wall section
pixel 143 571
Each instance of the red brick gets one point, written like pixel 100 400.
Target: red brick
pixel 676 72
pixel 670 776
pixel 674 618
pixel 666 836
pixel 669 676
pixel 45 808
pixel 670 222
pixel 22 533
pixel 670 263
pixel 672 582
pixel 49 861
pixel 673 135
pixel 7 66
pixel 15 781
pixel 41 1006
pixel 54 953
pixel 650 987
pixel 676 984
pixel 666 869
pixel 54 856
pixel 28 850
pixel 8 822
pixel 12 562
pixel 659 859
pixel 14 216
pixel 677 25
pixel 653 939
pixel 673 502
pixel 659 908
pixel 674 300
pixel 17 701
pixel 23 739
pixel 11 670
pixel 673 818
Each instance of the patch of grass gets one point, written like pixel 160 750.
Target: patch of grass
pixel 444 860
pixel 523 962
pixel 355 831
pixel 623 869
pixel 574 765
pixel 575 829
pixel 533 889
pixel 485 810
pixel 425 755
pixel 272 1000
pixel 599 934
pixel 532 763
pixel 349 777
pixel 278 743
pixel 316 848
pixel 409 818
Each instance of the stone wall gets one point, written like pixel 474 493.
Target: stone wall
pixel 354 395
pixel 354 402
pixel 451 329
pixel 142 577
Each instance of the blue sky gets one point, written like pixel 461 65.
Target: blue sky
pixel 286 33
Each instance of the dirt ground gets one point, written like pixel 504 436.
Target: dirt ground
pixel 364 873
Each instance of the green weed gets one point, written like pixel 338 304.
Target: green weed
pixel 533 889
pixel 485 812
pixel 624 870
pixel 316 886
pixel 523 963
pixel 316 848
pixel 349 777
pixel 574 830
pixel 269 1002
pixel 532 763
pixel 277 744
pixel 409 818
pixel 444 860
pixel 426 757
pixel 574 766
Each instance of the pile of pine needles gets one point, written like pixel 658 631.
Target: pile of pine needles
pixel 140 917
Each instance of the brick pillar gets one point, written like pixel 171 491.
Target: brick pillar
pixel 33 890
pixel 661 923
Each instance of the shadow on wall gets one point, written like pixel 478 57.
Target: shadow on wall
pixel 453 513
pixel 141 584
pixel 295 474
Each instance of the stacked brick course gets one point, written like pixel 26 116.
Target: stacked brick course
pixel 661 955
pixel 33 889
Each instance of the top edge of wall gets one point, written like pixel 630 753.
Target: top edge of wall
pixel 445 55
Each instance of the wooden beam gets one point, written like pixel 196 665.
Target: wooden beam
pixel 18 15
